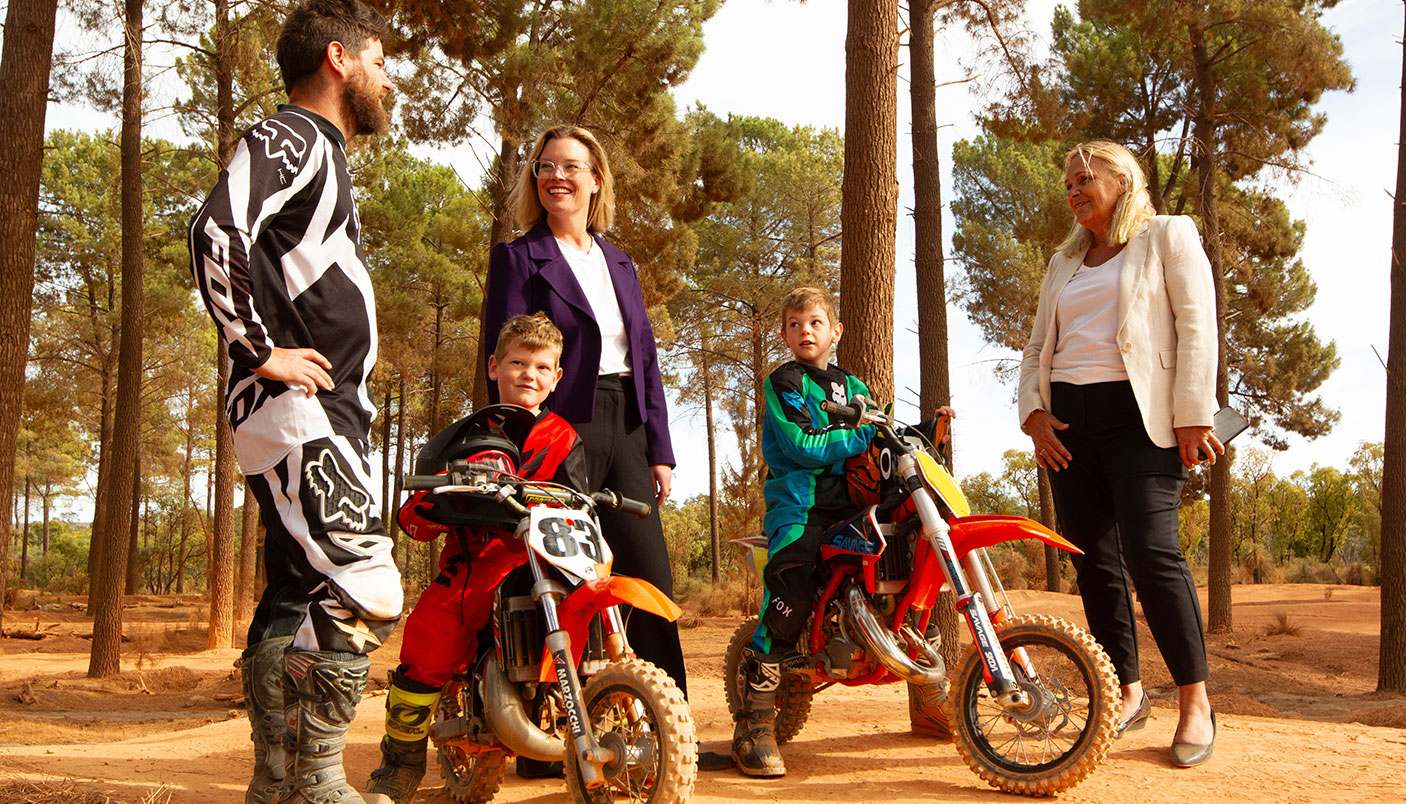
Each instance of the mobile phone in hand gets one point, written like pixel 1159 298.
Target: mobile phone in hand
pixel 1226 425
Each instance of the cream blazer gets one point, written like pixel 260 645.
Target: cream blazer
pixel 1166 329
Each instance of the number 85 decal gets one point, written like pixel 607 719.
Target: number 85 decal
pixel 569 539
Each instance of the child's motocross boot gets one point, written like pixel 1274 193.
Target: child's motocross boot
pixel 754 737
pixel 410 709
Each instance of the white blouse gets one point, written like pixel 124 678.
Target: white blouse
pixel 594 276
pixel 1086 318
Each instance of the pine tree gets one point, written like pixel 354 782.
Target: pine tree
pixel 1391 667
pixel 24 74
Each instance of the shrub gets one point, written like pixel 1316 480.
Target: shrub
pixel 1282 623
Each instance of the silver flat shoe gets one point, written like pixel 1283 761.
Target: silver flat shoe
pixel 1188 755
pixel 1137 719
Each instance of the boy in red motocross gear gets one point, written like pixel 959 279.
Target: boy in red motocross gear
pixel 441 632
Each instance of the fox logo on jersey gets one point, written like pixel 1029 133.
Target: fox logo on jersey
pixel 342 501
pixel 281 142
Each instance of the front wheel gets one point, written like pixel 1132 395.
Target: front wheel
pixel 643 709
pixel 1070 724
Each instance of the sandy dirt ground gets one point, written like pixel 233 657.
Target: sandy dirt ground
pixel 1299 721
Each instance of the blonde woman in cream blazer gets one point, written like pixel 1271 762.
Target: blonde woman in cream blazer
pixel 1117 392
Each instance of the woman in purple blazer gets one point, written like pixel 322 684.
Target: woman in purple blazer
pixel 610 388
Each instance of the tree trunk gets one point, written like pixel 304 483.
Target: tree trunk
pixel 222 570
pixel 387 502
pixel 391 523
pixel 713 539
pixel 436 378
pixel 248 540
pixel 223 599
pixel 260 569
pixel 95 545
pixel 1204 131
pixel 187 475
pixel 1391 665
pixel 1053 582
pixel 500 231
pixel 129 582
pixel 927 216
pixel 869 193
pixel 47 499
pixel 934 384
pixel 24 74
pixel 24 535
pixel 105 659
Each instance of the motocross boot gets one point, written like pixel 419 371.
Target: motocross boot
pixel 320 693
pixel 261 670
pixel 410 707
pixel 754 737
pixel 927 710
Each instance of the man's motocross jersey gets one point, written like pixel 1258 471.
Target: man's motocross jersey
pixel 276 255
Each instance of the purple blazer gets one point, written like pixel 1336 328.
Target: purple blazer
pixel 530 274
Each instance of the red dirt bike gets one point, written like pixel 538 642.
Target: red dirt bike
pixel 1033 703
pixel 626 733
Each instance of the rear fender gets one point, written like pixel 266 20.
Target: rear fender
pixel 972 532
pixel 590 598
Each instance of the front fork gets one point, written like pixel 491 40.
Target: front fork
pixel 996 669
pixel 596 762
pixel 590 756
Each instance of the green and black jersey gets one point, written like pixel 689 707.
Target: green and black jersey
pixel 806 465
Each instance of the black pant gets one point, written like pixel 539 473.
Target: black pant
pixel 616 459
pixel 1118 502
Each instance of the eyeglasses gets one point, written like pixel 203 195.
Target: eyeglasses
pixel 570 170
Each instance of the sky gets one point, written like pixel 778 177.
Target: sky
pixel 785 60
pixel 793 70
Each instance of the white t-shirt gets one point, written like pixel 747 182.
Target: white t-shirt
pixel 1086 320
pixel 594 275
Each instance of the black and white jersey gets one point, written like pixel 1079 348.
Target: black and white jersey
pixel 276 255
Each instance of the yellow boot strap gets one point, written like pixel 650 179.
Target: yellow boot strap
pixel 408 714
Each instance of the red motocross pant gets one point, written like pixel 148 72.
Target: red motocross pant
pixel 441 633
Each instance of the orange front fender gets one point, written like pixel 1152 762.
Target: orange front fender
pixel 590 598
pixel 971 532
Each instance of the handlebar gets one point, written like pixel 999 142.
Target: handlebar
pixel 617 502
pixel 423 482
pixel 864 411
pixel 609 499
pixel 846 413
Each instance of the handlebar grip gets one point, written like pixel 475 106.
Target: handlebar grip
pixel 846 413
pixel 422 482
pixel 616 502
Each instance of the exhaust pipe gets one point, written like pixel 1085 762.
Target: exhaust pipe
pixel 507 717
pixel 861 620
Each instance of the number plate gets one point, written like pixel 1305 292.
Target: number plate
pixel 569 540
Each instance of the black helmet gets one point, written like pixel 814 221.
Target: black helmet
pixel 495 434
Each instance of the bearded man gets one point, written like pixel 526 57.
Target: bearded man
pixel 276 255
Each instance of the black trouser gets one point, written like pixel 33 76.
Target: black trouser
pixel 1118 502
pixel 617 459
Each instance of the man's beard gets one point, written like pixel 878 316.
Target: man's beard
pixel 361 108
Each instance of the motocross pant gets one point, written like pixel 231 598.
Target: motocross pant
pixel 332 581
pixel 1118 501
pixel 788 582
pixel 441 632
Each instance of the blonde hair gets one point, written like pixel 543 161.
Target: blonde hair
pixel 1134 206
pixel 535 332
pixel 527 207
pixel 805 298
